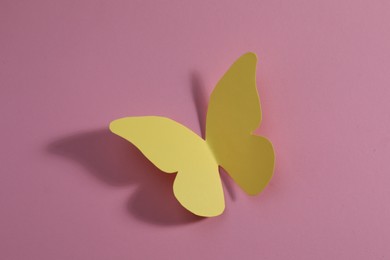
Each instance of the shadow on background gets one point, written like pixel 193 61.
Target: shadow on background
pixel 116 162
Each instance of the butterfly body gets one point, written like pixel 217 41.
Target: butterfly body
pixel 234 113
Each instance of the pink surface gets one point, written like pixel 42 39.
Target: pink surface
pixel 71 190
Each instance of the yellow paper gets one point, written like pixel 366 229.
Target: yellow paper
pixel 234 113
pixel 174 148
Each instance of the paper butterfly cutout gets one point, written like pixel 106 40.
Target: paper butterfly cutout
pixel 233 114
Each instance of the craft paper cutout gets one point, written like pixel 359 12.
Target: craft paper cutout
pixel 234 112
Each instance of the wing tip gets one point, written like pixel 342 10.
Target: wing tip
pixel 247 60
pixel 251 56
pixel 116 124
pixel 113 126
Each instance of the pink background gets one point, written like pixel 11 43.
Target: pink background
pixel 71 190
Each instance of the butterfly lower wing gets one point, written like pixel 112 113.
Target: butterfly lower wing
pixel 250 164
pixel 234 113
pixel 174 148
pixel 199 189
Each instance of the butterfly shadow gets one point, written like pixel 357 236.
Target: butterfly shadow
pixel 118 163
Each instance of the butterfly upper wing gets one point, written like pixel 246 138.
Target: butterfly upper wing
pixel 234 113
pixel 174 148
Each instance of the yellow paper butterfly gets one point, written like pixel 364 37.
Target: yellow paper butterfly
pixel 233 114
